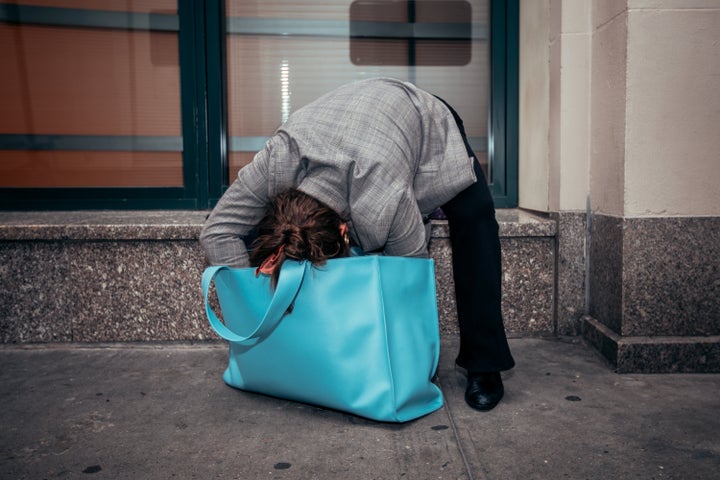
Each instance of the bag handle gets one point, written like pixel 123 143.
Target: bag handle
pixel 292 273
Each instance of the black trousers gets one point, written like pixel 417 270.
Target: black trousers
pixel 477 271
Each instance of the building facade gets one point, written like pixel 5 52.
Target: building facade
pixel 595 120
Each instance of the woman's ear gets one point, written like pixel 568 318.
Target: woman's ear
pixel 344 233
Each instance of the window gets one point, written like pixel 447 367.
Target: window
pixel 158 103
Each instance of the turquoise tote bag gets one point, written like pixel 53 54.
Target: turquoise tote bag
pixel 358 334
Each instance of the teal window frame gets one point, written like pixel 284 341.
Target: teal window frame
pixel 504 71
pixel 201 28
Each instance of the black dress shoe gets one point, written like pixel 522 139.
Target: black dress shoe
pixel 484 390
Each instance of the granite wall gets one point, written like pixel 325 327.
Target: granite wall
pixel 528 259
pixel 652 302
pixel 655 293
pixel 96 277
pixel 570 271
pixel 134 276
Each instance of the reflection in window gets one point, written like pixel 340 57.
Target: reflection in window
pixel 283 54
pixel 424 32
pixel 90 94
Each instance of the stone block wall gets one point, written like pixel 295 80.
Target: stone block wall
pixel 655 293
pixel 135 276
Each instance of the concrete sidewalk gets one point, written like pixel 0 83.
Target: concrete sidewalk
pixel 161 412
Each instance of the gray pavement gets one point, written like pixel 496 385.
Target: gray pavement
pixel 162 412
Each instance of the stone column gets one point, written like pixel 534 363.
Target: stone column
pixel 654 249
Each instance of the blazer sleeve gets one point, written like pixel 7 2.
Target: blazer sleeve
pixel 236 215
pixel 407 236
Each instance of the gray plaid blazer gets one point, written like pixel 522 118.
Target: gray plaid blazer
pixel 381 152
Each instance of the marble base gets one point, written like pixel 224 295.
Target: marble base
pixel 101 292
pixel 656 276
pixel 134 276
pixel 655 293
pixel 528 289
pixel 528 256
pixel 654 354
pixel 570 271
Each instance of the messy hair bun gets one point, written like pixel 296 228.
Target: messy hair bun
pixel 300 227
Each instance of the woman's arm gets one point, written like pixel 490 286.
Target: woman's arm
pixel 235 216
pixel 407 237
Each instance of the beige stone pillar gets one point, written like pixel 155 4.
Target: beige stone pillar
pixel 654 252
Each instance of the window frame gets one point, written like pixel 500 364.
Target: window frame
pixel 503 134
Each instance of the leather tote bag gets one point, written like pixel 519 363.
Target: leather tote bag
pixel 358 334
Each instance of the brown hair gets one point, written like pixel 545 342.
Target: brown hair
pixel 300 227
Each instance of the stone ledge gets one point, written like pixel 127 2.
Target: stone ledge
pixel 186 225
pixel 654 354
pixel 102 225
pixel 124 276
pixel 513 222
